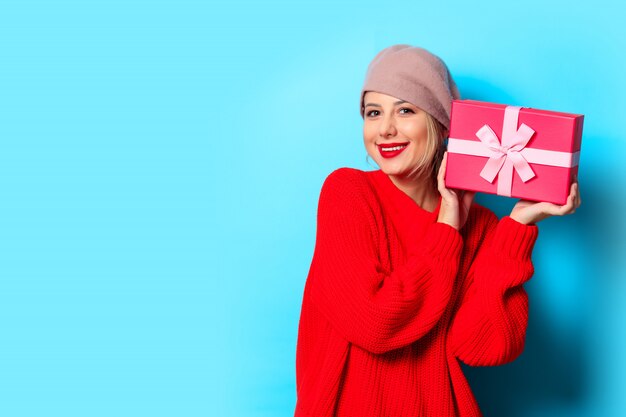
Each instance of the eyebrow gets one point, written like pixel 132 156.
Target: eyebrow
pixel 378 105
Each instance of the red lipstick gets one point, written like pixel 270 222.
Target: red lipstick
pixel 391 154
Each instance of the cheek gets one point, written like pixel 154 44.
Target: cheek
pixel 369 132
pixel 417 129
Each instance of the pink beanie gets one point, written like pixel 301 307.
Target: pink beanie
pixel 415 75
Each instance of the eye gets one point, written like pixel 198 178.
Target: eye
pixel 369 113
pixel 406 108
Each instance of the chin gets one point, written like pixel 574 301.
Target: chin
pixel 399 171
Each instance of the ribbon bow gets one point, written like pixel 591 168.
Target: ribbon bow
pixel 506 156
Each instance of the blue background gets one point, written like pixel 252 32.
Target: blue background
pixel 160 165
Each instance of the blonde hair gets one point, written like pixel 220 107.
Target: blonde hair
pixel 429 163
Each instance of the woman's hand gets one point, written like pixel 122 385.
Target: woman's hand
pixel 455 204
pixel 530 212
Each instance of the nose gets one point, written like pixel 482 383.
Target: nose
pixel 387 127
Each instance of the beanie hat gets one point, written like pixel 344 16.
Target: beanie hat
pixel 415 75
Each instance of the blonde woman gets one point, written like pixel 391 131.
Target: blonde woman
pixel 408 277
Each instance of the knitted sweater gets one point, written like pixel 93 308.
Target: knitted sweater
pixel 393 300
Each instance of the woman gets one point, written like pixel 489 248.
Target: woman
pixel 408 277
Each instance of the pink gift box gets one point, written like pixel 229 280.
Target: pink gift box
pixel 513 151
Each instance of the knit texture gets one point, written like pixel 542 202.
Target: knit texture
pixel 413 74
pixel 393 300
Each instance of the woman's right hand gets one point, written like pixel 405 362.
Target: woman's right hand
pixel 455 204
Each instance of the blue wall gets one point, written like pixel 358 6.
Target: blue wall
pixel 160 165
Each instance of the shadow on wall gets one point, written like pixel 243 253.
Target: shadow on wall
pixel 548 373
pixel 554 369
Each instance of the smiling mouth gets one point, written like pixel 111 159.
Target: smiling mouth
pixel 392 150
pixel 392 147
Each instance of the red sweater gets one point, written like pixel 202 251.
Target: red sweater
pixel 394 299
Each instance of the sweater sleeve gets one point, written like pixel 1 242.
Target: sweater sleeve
pixel 489 327
pixel 376 309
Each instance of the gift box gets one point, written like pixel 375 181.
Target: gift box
pixel 513 151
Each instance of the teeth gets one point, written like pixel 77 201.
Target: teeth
pixel 395 148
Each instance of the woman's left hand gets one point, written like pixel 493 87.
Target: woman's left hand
pixel 530 212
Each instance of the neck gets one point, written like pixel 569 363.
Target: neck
pixel 421 190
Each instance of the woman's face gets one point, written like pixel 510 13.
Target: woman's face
pixel 388 123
